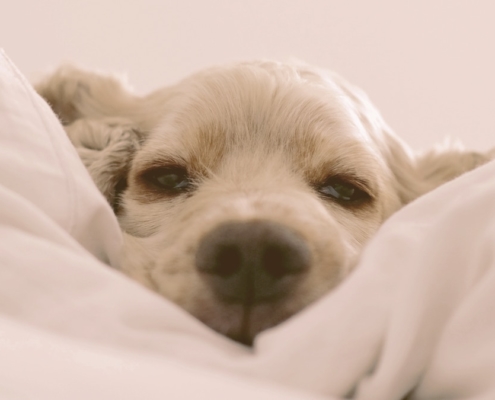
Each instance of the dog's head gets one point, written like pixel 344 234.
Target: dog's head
pixel 254 193
pixel 253 189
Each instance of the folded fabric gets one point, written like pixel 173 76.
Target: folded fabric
pixel 418 313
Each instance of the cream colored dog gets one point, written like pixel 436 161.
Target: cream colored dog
pixel 245 192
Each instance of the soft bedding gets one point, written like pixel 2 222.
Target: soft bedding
pixel 417 313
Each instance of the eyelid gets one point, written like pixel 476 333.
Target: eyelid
pixel 169 162
pixel 360 183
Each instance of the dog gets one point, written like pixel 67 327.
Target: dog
pixel 245 192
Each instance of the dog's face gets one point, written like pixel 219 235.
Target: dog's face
pixel 246 192
pixel 252 195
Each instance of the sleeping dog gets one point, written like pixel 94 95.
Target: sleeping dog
pixel 244 192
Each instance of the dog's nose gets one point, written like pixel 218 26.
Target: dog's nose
pixel 252 262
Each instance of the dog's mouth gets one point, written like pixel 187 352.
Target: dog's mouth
pixel 243 323
pixel 257 318
pixel 244 335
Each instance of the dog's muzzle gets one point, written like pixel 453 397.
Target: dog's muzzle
pixel 252 262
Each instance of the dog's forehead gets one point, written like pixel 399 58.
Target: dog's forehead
pixel 259 109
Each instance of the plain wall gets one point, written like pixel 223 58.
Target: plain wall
pixel 427 64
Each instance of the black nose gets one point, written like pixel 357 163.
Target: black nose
pixel 251 262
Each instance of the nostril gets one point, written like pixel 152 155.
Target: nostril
pixel 227 262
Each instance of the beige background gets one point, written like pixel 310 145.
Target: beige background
pixel 428 64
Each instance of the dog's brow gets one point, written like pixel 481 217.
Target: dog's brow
pixel 165 161
pixel 359 181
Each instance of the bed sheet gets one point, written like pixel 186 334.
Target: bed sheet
pixel 417 313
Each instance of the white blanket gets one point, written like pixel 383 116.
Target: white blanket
pixel 418 312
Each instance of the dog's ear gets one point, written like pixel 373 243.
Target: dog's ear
pixel 105 120
pixel 448 161
pixel 75 93
pixel 417 173
pixel 414 174
pixel 101 116
pixel 106 146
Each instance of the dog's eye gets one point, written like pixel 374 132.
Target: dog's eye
pixel 343 191
pixel 169 179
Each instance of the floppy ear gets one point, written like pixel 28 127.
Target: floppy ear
pixel 445 162
pixel 101 117
pixel 105 121
pixel 417 173
pixel 414 174
pixel 75 93
pixel 106 147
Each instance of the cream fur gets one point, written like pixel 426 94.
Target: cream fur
pixel 256 138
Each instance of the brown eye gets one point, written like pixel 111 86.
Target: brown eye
pixel 172 180
pixel 343 191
